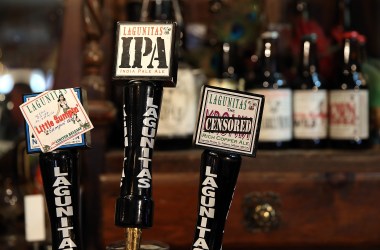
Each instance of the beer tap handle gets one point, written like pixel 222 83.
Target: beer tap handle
pixel 146 61
pixel 60 175
pixel 228 127
pixel 218 176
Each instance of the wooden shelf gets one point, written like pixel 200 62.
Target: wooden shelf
pixel 327 198
pixel 327 160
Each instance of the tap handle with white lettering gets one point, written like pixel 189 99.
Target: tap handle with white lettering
pixel 218 177
pixel 142 102
pixel 60 175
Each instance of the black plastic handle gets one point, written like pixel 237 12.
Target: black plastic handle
pixel 142 103
pixel 60 175
pixel 218 177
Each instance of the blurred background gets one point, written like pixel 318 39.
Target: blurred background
pixel 306 193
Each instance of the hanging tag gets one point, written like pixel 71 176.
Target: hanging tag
pixel 229 120
pixel 55 119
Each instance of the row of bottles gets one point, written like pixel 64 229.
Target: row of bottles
pixel 305 112
pixel 310 113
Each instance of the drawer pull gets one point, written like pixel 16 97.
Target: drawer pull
pixel 261 211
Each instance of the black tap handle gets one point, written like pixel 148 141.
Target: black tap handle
pixel 142 102
pixel 218 176
pixel 60 175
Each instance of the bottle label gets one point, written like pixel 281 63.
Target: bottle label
pixel 277 118
pixel 310 114
pixel 178 109
pixel 349 114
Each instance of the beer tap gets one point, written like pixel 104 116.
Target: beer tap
pixel 228 127
pixel 145 63
pixel 65 128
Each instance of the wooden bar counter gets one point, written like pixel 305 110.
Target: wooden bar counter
pixel 290 199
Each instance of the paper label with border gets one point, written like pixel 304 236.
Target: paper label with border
pixel 55 119
pixel 229 120
pixel 32 145
pixel 145 50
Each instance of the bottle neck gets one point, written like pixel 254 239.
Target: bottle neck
pixel 227 61
pixel 269 57
pixel 351 56
pixel 167 10
pixel 344 15
pixel 308 62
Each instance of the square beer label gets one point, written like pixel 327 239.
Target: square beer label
pixel 229 121
pixel 55 119
pixel 146 51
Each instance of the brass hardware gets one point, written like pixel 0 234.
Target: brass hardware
pixel 261 211
pixel 132 238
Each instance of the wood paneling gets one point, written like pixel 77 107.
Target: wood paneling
pixel 327 199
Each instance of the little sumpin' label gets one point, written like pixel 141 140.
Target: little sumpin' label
pixel 146 51
pixel 55 119
pixel 229 120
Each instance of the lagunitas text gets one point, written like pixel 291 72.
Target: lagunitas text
pixel 206 209
pixel 64 209
pixel 51 96
pixel 147 142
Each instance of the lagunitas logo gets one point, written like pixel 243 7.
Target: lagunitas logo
pixel 145 50
pixel 229 120
pixel 147 142
pixel 64 209
pixel 206 209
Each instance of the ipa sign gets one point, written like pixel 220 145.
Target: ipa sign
pixel 146 51
pixel 229 120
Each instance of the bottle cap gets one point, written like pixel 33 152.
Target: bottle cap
pixel 351 35
pixel 362 39
pixel 310 37
pixel 270 35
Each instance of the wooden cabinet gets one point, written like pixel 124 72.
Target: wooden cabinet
pixel 326 199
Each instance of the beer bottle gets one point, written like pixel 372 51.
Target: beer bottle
pixel 226 67
pixel 276 125
pixel 310 117
pixel 179 105
pixel 349 102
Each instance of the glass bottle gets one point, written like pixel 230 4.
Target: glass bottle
pixel 226 67
pixel 349 102
pixel 276 125
pixel 310 117
pixel 12 233
pixel 179 105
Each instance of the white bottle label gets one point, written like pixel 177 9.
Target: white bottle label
pixel 349 114
pixel 310 114
pixel 178 110
pixel 276 124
